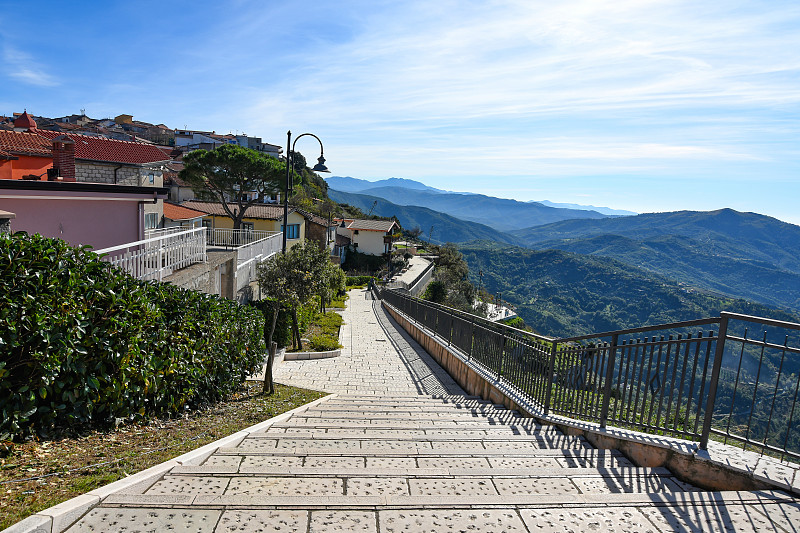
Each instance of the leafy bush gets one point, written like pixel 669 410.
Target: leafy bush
pixel 82 343
pixel 358 281
pixel 329 322
pixel 355 262
pixel 283 325
pixel 323 343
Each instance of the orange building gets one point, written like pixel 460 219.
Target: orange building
pixel 23 153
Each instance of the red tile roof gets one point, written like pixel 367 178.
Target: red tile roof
pixel 262 211
pixel 110 150
pixel 179 212
pixel 23 143
pixel 25 121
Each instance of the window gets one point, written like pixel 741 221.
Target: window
pixel 150 220
pixel 151 178
pixel 293 232
pixel 247 227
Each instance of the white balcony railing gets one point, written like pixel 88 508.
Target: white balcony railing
pixel 157 257
pixel 263 248
pixel 235 238
pixel 251 255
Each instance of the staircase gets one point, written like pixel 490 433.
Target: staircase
pixel 376 463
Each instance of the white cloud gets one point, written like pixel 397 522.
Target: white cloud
pixel 22 67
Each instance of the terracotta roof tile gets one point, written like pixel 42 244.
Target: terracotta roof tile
pixel 181 212
pixel 110 150
pixel 262 211
pixel 372 225
pixel 17 142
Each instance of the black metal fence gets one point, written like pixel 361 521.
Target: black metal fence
pixel 694 379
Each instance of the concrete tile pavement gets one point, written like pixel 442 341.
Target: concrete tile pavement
pixel 377 358
pixel 400 448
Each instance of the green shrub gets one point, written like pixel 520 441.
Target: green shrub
pixel 358 281
pixel 323 343
pixel 82 343
pixel 283 325
pixel 329 323
pixel 338 303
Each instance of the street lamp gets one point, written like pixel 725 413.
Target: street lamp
pixel 319 167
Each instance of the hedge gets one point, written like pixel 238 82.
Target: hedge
pixel 83 343
pixel 358 281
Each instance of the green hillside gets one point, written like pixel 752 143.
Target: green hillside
pixel 721 233
pixel 562 294
pixel 445 227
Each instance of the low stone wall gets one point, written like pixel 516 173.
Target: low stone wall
pixel 302 356
pixel 215 276
pixel 719 468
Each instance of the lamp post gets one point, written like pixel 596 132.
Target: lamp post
pixel 319 167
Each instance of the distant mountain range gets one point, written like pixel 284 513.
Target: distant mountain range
pixel 601 210
pixel 446 228
pixel 563 294
pixel 499 213
pixel 731 254
pixel 745 255
pixel 348 184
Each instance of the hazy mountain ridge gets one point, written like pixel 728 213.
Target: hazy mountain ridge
pixel 602 210
pixel 499 213
pixel 446 227
pixel 357 185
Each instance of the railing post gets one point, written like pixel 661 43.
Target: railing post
pixel 712 386
pixel 551 369
pixel 502 358
pixel 610 363
pixel 471 338
pixel 160 259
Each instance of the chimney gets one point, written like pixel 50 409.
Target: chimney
pixel 64 157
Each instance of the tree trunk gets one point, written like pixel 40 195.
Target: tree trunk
pixel 297 342
pixel 269 387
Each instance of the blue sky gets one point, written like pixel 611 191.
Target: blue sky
pixel 639 105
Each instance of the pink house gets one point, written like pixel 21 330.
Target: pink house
pixel 97 214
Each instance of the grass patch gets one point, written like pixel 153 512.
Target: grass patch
pixel 76 460
pixel 339 303
pixel 323 333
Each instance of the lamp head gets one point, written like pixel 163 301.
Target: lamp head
pixel 320 166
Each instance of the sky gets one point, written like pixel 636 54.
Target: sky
pixel 630 104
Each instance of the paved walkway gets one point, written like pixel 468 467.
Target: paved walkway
pixel 384 455
pixel 377 358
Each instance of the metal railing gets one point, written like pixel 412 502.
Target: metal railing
pixel 157 257
pixel 234 238
pixel 696 379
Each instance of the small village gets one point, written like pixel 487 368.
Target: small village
pixel 115 185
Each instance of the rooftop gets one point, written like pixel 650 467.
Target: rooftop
pixel 110 150
pixel 180 212
pixel 24 143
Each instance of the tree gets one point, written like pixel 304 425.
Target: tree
pixel 296 277
pixel 225 174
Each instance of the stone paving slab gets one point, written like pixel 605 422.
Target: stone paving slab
pixel 667 500
pixel 405 450
pixel 636 519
